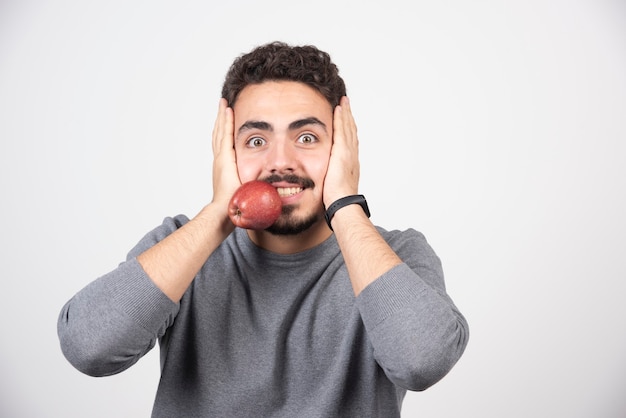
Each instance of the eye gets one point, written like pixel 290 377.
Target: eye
pixel 255 142
pixel 307 138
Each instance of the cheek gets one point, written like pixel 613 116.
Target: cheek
pixel 318 169
pixel 248 169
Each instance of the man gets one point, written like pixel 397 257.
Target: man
pixel 321 315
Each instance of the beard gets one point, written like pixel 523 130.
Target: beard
pixel 287 225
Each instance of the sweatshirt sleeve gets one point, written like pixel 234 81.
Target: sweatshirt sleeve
pixel 417 332
pixel 113 321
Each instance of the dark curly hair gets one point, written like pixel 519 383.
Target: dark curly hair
pixel 278 61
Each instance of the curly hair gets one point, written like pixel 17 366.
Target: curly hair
pixel 278 61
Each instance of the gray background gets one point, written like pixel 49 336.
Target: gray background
pixel 497 128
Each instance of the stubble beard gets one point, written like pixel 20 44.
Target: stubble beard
pixel 289 225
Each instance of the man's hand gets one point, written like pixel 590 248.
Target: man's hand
pixel 173 262
pixel 225 175
pixel 342 176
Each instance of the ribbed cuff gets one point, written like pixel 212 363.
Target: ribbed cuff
pixel 137 296
pixel 398 289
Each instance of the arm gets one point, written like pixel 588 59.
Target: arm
pixel 174 262
pixel 416 331
pixel 115 320
pixel 365 252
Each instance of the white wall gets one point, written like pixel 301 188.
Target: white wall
pixel 496 128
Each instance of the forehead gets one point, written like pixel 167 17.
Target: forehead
pixel 280 101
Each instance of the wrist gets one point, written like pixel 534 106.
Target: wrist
pixel 214 216
pixel 343 202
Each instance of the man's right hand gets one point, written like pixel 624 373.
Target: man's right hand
pixel 173 262
pixel 225 176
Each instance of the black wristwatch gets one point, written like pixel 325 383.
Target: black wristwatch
pixel 358 199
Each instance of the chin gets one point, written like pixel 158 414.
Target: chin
pixel 287 225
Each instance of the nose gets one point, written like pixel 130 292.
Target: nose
pixel 281 158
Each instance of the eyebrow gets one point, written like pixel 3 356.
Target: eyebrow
pixel 265 126
pixel 254 124
pixel 297 124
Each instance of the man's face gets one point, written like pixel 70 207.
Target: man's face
pixel 283 133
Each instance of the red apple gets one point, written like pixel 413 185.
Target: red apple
pixel 255 205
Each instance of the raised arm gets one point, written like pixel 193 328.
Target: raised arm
pixel 112 322
pixel 366 253
pixel 417 332
pixel 174 262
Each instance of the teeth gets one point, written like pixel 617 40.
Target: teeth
pixel 288 191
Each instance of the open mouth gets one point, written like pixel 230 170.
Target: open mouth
pixel 288 191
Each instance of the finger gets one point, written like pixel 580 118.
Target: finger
pixel 218 126
pixel 228 140
pixel 349 125
pixel 338 124
pixel 223 129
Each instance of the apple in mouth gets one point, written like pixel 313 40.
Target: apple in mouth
pixel 255 205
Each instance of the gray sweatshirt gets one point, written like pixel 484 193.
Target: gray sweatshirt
pixel 260 334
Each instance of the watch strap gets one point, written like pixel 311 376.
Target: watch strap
pixel 357 199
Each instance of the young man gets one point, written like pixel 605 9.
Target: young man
pixel 321 315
